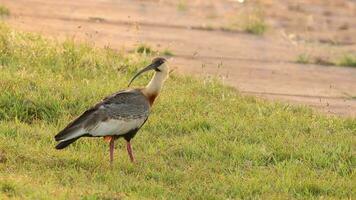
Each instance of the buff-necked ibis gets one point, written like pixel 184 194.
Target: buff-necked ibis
pixel 121 114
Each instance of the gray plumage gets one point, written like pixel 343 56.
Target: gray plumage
pixel 129 106
pixel 126 105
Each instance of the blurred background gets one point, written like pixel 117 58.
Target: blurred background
pixel 302 51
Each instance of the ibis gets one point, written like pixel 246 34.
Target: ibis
pixel 120 115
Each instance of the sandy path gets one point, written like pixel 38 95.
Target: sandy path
pixel 256 65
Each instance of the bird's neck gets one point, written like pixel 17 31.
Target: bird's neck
pixel 153 88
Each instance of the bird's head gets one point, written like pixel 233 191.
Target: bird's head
pixel 158 64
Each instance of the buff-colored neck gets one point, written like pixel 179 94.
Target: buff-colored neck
pixel 156 83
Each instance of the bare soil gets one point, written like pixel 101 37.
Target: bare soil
pixel 202 36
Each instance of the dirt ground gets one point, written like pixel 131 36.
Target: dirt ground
pixel 202 36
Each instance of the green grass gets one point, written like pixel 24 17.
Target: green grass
pixel 202 140
pixel 252 22
pixel 4 12
pixel 167 52
pixel 147 50
pixel 346 60
pixel 182 6
pixel 255 25
pixel 303 58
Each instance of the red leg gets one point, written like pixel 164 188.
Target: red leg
pixel 112 145
pixel 129 151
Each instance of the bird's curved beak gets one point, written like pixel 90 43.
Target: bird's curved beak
pixel 148 68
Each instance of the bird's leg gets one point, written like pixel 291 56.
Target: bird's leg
pixel 129 151
pixel 112 145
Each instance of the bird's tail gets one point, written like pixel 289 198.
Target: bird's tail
pixel 66 143
pixel 68 136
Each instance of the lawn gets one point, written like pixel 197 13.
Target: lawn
pixel 203 140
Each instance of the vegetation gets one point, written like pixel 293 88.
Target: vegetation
pixel 182 6
pixel 347 60
pixel 202 141
pixel 4 12
pixel 251 22
pixel 255 25
pixel 147 50
pixel 303 58
pixel 167 52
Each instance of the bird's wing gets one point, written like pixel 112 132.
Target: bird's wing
pixel 130 104
pixel 123 105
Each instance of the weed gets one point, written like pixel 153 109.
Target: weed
pixel 8 188
pixel 145 49
pixel 167 52
pixel 182 6
pixel 148 50
pixel 4 12
pixel 303 58
pixel 251 22
pixel 348 60
pixel 255 25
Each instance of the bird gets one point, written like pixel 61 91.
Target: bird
pixel 120 115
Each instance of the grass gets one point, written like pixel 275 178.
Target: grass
pixel 202 141
pixel 182 6
pixel 346 60
pixel 303 58
pixel 255 25
pixel 147 50
pixel 4 12
pixel 167 52
pixel 252 22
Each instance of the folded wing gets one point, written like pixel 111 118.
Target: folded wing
pixel 115 115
